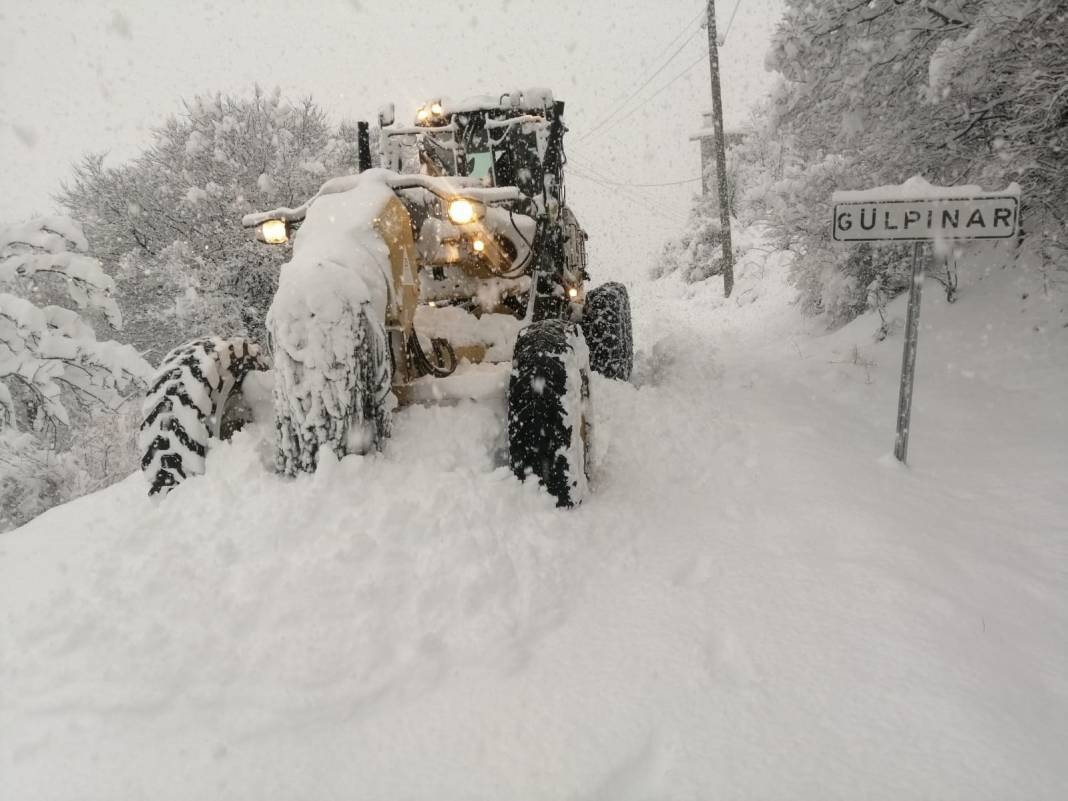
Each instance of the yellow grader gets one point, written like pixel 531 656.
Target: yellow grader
pixel 456 253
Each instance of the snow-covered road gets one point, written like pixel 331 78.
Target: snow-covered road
pixel 755 602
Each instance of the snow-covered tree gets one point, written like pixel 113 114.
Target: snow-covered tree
pixel 965 91
pixel 50 358
pixel 959 91
pixel 167 224
pixel 697 253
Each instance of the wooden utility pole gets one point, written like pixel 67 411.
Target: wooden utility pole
pixel 721 153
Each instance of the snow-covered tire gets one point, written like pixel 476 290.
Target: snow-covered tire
pixel 186 403
pixel 606 324
pixel 549 425
pixel 333 387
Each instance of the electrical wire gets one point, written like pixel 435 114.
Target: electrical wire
pixel 730 22
pixel 686 71
pixel 644 205
pixel 654 185
pixel 645 198
pixel 588 166
pixel 646 101
pixel 584 165
pixel 622 104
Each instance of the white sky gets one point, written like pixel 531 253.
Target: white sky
pixel 80 76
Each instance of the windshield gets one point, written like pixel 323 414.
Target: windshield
pixel 479 165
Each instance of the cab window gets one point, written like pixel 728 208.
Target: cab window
pixel 479 165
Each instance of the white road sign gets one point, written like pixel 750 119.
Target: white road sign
pixel 981 217
pixel 918 212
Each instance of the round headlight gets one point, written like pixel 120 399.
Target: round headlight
pixel 436 109
pixel 422 114
pixel 274 232
pixel 463 211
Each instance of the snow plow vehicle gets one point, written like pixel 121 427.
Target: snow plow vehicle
pixel 457 252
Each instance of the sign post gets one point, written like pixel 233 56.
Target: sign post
pixel 889 215
pixel 908 358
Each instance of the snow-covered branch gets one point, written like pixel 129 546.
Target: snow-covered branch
pixel 42 247
pixel 46 349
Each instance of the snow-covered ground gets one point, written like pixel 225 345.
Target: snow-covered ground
pixel 756 601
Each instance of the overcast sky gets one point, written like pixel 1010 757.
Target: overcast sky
pixel 88 76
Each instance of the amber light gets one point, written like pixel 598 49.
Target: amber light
pixel 274 232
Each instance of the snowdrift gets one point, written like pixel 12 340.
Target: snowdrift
pixel 755 601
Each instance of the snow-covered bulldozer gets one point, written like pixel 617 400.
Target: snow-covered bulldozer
pixel 457 253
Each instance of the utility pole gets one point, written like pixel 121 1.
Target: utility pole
pixel 721 153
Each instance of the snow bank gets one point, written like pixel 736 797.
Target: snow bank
pixel 753 601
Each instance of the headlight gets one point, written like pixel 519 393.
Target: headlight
pixel 463 211
pixel 436 109
pixel 422 115
pixel 274 232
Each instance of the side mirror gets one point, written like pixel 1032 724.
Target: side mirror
pixel 363 141
pixel 387 115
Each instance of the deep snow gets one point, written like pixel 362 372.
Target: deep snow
pixel 756 600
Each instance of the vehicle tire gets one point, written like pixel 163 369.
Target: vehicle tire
pixel 322 401
pixel 549 420
pixel 196 385
pixel 606 324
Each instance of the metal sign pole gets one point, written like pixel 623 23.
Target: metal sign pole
pixel 908 358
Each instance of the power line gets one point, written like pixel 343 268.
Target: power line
pixel 697 18
pixel 730 22
pixel 595 172
pixel 646 205
pixel 646 101
pixel 588 166
pixel 621 104
pixel 642 104
pixel 661 183
pixel 629 196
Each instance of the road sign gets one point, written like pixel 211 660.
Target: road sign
pixel 888 214
pixel 981 217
